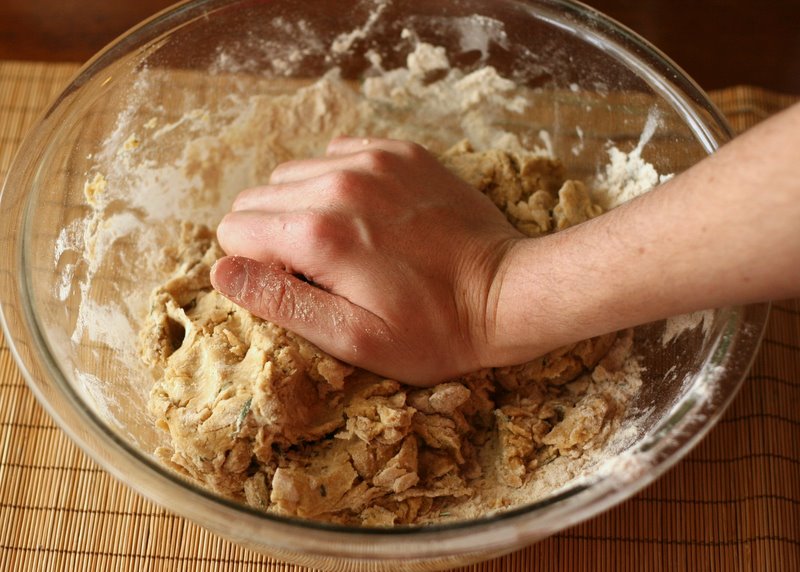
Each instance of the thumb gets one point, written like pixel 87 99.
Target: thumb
pixel 266 290
pixel 331 322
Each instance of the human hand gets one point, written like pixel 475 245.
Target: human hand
pixel 375 253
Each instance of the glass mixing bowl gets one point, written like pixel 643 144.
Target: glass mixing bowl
pixel 75 284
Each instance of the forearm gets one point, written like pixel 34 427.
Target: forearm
pixel 726 231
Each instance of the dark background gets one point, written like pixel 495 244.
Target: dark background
pixel 720 43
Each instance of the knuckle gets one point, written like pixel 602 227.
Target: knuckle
pixel 328 235
pixel 345 186
pixel 318 227
pixel 377 160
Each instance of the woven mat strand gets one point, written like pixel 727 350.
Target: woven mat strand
pixel 733 504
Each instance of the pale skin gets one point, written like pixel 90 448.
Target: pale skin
pixel 414 275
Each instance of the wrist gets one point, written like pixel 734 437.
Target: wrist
pixel 549 292
pixel 516 325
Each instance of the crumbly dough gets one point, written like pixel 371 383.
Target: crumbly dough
pixel 261 415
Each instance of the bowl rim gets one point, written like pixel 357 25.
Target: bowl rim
pixel 746 324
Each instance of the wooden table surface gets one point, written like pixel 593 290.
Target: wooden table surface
pixel 720 43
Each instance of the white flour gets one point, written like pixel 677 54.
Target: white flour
pixel 677 325
pixel 627 175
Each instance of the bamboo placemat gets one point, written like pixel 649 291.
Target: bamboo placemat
pixel 733 504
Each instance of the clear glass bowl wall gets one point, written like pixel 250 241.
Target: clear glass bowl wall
pixel 581 70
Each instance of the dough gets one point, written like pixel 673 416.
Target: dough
pixel 261 415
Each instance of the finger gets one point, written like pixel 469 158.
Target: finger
pixel 352 145
pixel 311 243
pixel 266 237
pixel 343 174
pixel 337 183
pixel 343 153
pixel 331 322
pixel 301 170
pixel 289 196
